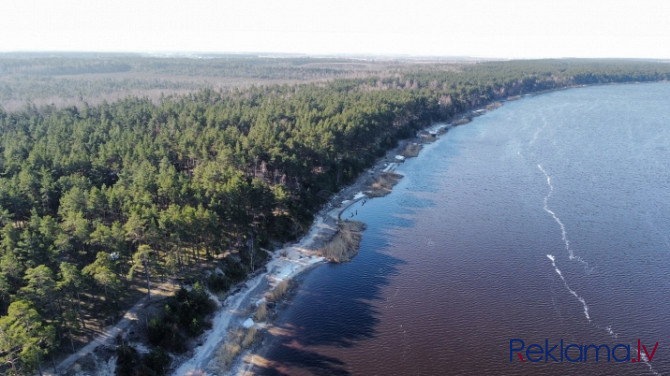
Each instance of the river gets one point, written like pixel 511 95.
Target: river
pixel 543 221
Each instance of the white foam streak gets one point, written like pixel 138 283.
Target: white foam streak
pixel 564 233
pixel 571 291
pixel 611 332
pixel 537 132
pixel 571 256
pixel 646 361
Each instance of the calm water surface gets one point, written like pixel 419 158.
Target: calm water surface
pixel 548 218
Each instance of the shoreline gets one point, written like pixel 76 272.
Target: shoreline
pixel 245 362
pixel 288 262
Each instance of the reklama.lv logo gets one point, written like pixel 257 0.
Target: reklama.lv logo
pixel 575 352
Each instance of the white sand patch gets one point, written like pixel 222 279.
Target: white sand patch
pixel 141 348
pixel 390 167
pixel 236 307
pixel 248 323
pixel 436 127
pixel 214 298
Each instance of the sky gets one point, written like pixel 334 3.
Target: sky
pixel 477 28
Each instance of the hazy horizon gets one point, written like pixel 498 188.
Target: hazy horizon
pixel 422 28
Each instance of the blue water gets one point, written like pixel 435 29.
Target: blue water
pixel 548 218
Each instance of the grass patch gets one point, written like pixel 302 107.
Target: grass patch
pixel 261 312
pixel 442 130
pixel 412 149
pixel 279 291
pixel 230 349
pixel 196 372
pixel 461 121
pixel 250 337
pixel 383 184
pixel 238 340
pixel 494 105
pixel 344 245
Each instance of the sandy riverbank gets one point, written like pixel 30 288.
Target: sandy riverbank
pixel 238 309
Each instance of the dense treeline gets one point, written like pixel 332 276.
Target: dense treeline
pixel 97 199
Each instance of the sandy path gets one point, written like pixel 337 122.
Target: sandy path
pixel 239 307
pixel 109 335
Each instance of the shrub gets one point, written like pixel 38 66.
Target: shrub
pixel 234 270
pixel 218 283
pixel 165 334
pixel 158 361
pixel 194 329
pixel 127 360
